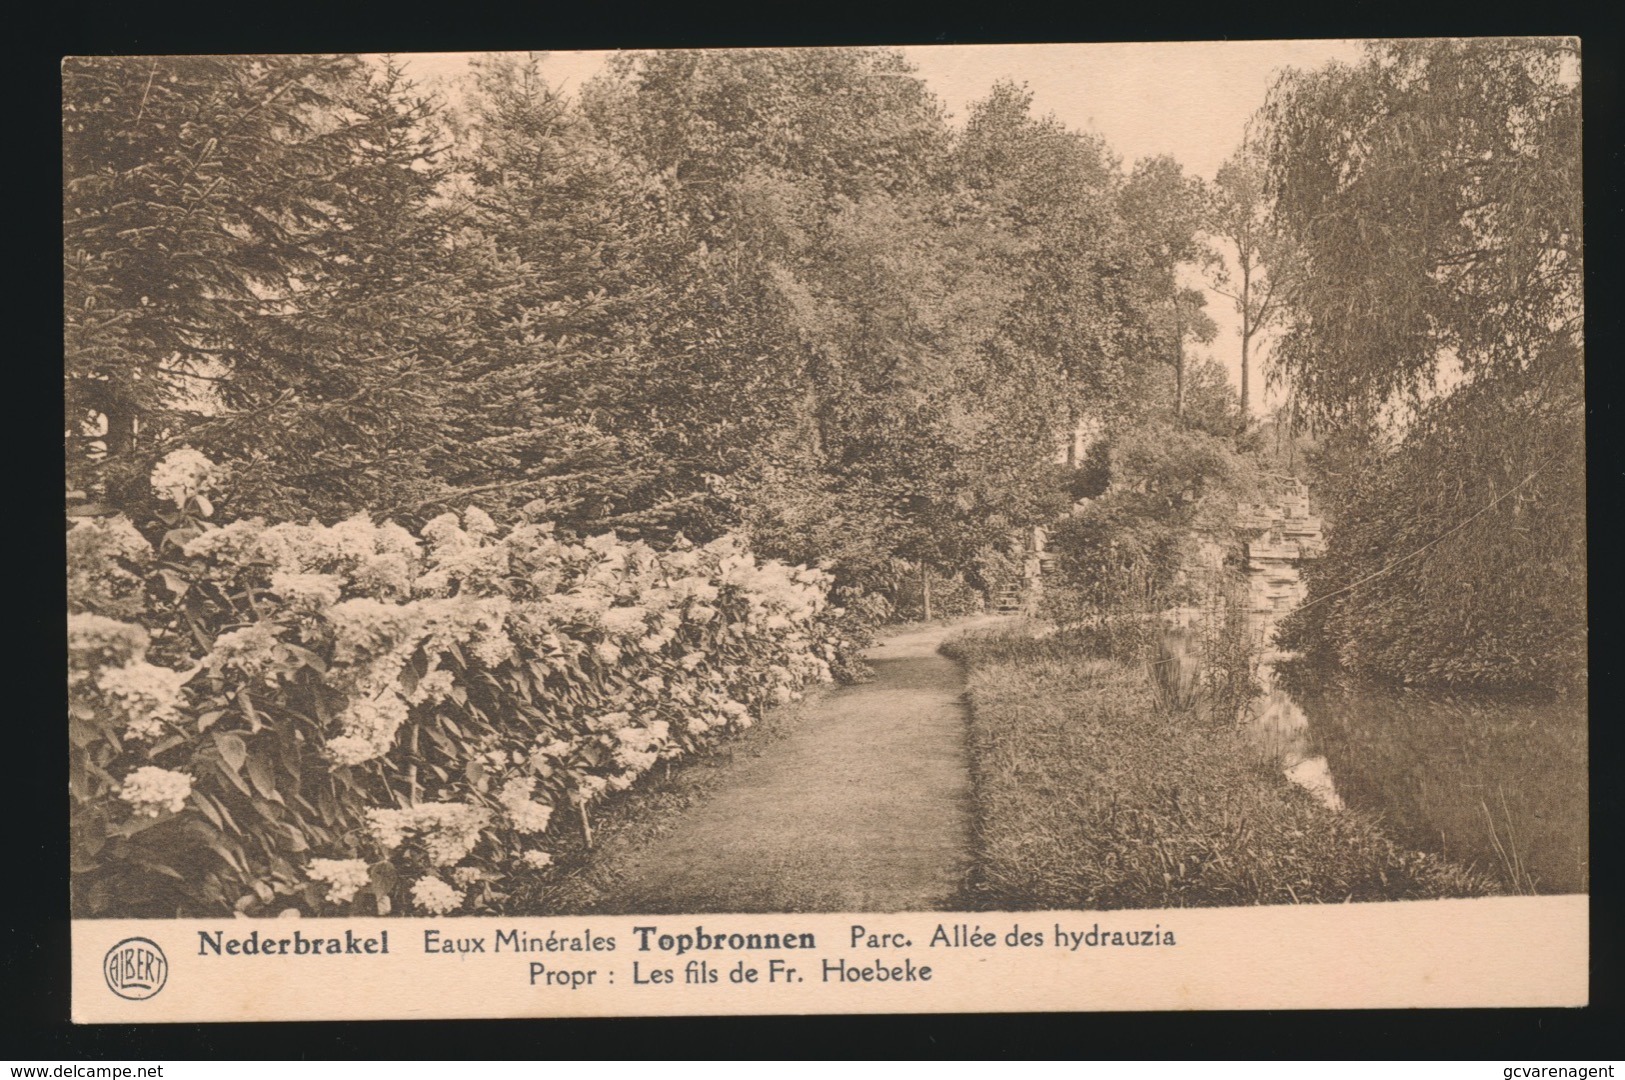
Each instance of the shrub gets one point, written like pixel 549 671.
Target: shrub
pixel 1458 559
pixel 951 597
pixel 992 567
pixel 273 717
pixel 1135 549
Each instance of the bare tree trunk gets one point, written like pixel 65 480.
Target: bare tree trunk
pixel 925 589
pixel 1179 362
pixel 120 430
pixel 1246 330
pixel 116 482
pixel 1292 436
pixel 1247 401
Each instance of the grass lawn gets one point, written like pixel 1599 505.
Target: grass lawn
pixel 1087 795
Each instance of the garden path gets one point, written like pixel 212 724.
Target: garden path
pixel 862 806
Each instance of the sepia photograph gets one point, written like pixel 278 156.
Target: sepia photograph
pixel 1097 478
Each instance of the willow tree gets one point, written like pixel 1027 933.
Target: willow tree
pixel 1432 194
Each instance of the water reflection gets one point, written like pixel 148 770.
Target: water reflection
pixel 1494 782
pixel 1497 782
pixel 1280 728
pixel 1283 534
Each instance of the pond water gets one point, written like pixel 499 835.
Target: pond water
pixel 1281 728
pixel 1496 782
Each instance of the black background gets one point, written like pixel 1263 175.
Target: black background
pixel 33 874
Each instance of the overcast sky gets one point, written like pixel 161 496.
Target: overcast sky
pixel 1187 99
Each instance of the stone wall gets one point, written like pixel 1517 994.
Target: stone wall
pixel 1280 534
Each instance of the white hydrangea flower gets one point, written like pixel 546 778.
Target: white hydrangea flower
pixel 444 531
pixel 369 725
pixel 308 590
pixel 588 788
pixel 635 762
pixel 349 750
pixel 95 641
pixel 537 859
pixel 553 749
pixel 470 565
pixel 383 557
pixel 234 545
pixel 151 790
pixel 435 685
pixel 528 816
pixel 586 608
pixel 389 827
pixel 182 474
pixel 115 535
pixel 98 548
pixel 150 696
pixel 375 558
pixel 625 621
pixel 450 831
pixel 491 649
pixel 249 651
pixel 633 737
pixel 366 628
pixel 653 643
pixel 694 588
pixel 344 877
pixel 606 545
pixel 435 896
pixel 607 722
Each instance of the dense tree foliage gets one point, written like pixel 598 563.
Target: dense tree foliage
pixel 249 267
pixel 776 290
pixel 1432 198
pixel 760 288
pixel 1457 560
pixel 1164 209
pixel 1433 193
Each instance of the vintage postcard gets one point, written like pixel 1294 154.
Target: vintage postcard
pixel 826 530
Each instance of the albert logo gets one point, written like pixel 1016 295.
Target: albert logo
pixel 135 968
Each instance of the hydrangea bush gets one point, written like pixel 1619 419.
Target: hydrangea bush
pixel 327 719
